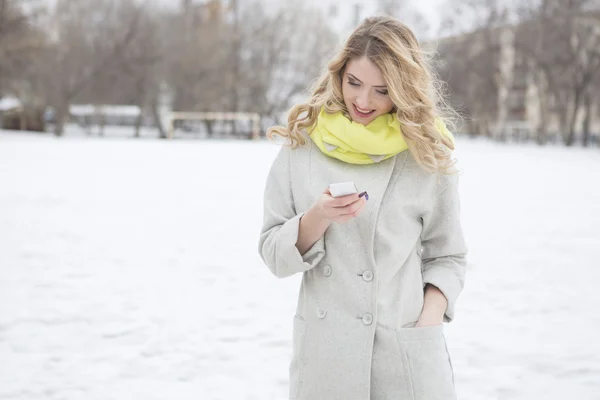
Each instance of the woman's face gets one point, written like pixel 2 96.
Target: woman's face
pixel 365 92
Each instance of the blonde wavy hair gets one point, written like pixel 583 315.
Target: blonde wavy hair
pixel 412 86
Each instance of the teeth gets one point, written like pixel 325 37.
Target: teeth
pixel 362 111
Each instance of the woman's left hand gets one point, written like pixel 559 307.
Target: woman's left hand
pixel 434 307
pixel 429 319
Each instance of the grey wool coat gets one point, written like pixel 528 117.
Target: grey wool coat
pixel 354 334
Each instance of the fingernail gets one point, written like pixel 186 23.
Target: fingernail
pixel 362 194
pixel 366 196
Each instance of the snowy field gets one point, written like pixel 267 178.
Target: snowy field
pixel 129 270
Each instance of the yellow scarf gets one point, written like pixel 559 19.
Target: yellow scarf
pixel 354 143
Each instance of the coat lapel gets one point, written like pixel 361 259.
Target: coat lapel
pixel 373 178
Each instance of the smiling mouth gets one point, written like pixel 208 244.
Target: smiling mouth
pixel 363 113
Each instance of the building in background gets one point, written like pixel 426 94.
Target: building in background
pixel 494 83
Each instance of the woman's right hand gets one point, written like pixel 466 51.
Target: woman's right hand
pixel 340 209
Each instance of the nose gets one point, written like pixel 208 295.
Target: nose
pixel 362 100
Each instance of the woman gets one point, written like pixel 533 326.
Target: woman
pixel 381 270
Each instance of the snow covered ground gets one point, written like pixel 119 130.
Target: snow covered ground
pixel 129 270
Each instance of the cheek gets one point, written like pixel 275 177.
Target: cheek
pixel 349 96
pixel 347 91
pixel 385 104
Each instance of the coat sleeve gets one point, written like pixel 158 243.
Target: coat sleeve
pixel 443 245
pixel 281 223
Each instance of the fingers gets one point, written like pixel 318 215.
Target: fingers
pixel 354 208
pixel 345 200
pixel 346 217
pixel 339 201
pixel 344 208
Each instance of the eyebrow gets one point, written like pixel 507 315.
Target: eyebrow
pixel 355 78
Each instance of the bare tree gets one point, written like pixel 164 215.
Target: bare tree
pixel 259 66
pixel 561 40
pixel 18 40
pixel 283 54
pixel 532 43
pixel 135 76
pixel 476 65
pixel 84 44
pixel 199 52
pixel 20 43
pixel 145 64
pixel 592 107
pixel 585 53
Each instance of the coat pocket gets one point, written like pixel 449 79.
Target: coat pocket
pixel 298 359
pixel 430 369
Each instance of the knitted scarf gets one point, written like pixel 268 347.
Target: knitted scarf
pixel 339 137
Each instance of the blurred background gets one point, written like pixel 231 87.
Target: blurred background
pixel 129 265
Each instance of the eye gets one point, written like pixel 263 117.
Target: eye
pixel 353 83
pixel 382 92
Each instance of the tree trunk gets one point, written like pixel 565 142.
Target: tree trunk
pixel 562 122
pixel 542 130
pixel 576 105
pixel 488 129
pixel 472 128
pixel 138 123
pixel 141 96
pixel 587 101
pixel 209 127
pixel 233 128
pixel 102 123
pixel 23 119
pixel 502 110
pixel 87 123
pixel 61 117
pixel 236 61
pixel 157 121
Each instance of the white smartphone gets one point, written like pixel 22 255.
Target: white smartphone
pixel 342 189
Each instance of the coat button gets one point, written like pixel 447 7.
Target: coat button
pixel 368 275
pixel 327 270
pixel 367 319
pixel 321 313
